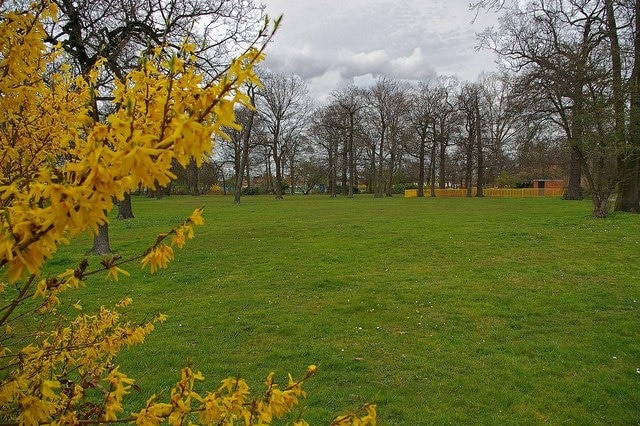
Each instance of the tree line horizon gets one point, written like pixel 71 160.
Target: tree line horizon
pixel 563 106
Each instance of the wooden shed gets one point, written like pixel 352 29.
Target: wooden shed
pixel 546 183
pixel 547 187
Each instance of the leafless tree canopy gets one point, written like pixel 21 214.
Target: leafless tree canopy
pixel 283 105
pixel 119 30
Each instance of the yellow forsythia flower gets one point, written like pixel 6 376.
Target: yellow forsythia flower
pixel 158 257
pixel 196 217
pixel 113 273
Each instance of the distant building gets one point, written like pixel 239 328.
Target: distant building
pixel 549 187
pixel 548 184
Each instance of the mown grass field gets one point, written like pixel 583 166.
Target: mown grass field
pixel 464 311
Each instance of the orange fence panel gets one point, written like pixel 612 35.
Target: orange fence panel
pixel 493 192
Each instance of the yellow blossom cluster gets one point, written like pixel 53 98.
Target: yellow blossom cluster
pixel 368 419
pixel 230 404
pixel 60 170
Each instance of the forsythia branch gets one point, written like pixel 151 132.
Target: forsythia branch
pixel 60 171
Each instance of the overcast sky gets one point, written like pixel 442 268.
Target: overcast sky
pixel 331 43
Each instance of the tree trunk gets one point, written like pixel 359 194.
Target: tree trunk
pixel 379 172
pixel 628 189
pixel 267 166
pixel 277 186
pixel 371 184
pixel 243 162
pixel 421 178
pixel 479 149
pixel 468 180
pixel 333 167
pixel 441 165
pixel 292 175
pixel 101 241
pixel 224 182
pixel 124 207
pixel 574 189
pixel 343 171
pixel 392 162
pixel 432 170
pixel 248 171
pixel 237 192
pixel 600 203
pixel 352 161
pixel 193 181
pixel 468 167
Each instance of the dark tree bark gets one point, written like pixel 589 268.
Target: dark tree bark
pixel 421 165
pixel 432 165
pixel 101 241
pixel 421 116
pixel 344 167
pixel 468 167
pixel 379 190
pixel 442 163
pixel 575 138
pixel 277 162
pixel 248 171
pixel 574 187
pixel 124 207
pixel 479 147
pixel 628 190
pixel 333 168
pixel 242 157
pixel 392 162
pixel 193 177
pixel 352 157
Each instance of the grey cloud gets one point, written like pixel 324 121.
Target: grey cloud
pixel 414 66
pixel 334 41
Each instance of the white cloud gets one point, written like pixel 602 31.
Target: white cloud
pixel 321 86
pixel 413 67
pixel 363 63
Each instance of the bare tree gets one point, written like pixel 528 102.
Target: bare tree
pixel 559 45
pixel 312 172
pixel 295 142
pixel 625 89
pixel 388 106
pixel 324 131
pixel 120 32
pixel 422 119
pixel 503 121
pixel 282 104
pixel 237 148
pixel 351 101
pixel 447 123
pixel 469 144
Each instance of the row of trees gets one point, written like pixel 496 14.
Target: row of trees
pixel 439 133
pixel 579 63
pixel 565 105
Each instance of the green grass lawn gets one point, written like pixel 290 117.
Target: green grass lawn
pixel 464 311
